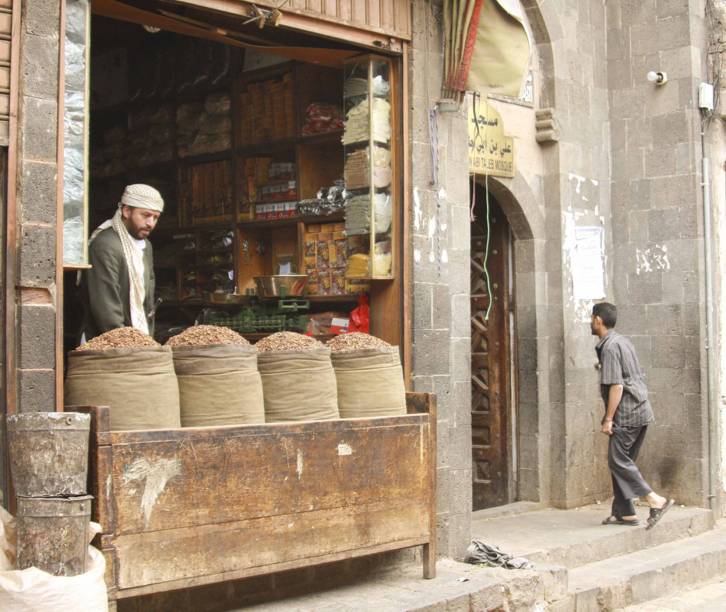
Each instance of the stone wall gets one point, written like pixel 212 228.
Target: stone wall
pixel 36 205
pixel 657 227
pixel 440 232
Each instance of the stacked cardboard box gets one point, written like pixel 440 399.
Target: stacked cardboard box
pixel 268 111
pixel 325 261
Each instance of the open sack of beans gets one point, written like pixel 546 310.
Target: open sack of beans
pixel 218 379
pixel 369 376
pixel 297 378
pixel 131 373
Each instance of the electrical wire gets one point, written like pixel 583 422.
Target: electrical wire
pixel 487 277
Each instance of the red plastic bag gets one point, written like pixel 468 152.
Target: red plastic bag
pixel 360 317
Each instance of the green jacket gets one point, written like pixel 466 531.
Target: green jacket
pixel 106 286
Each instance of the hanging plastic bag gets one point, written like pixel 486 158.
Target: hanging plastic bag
pixel 33 590
pixel 360 317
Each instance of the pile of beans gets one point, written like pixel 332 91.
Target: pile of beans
pixel 206 335
pixel 123 337
pixel 288 342
pixel 356 341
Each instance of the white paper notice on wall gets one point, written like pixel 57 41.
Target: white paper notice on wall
pixel 588 269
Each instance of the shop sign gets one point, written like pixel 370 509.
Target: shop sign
pixel 490 151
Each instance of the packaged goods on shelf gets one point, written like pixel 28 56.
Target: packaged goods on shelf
pixel 205 190
pixel 321 118
pixel 204 127
pixel 267 111
pixel 276 210
pixel 360 127
pixel 357 168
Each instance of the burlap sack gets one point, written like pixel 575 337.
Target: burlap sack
pixel 218 385
pixel 298 386
pixel 370 383
pixel 139 385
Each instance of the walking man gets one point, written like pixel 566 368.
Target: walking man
pixel 627 416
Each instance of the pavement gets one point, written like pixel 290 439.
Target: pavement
pixel 579 566
pixel 704 597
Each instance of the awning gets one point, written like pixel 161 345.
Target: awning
pixel 501 54
pixel 486 49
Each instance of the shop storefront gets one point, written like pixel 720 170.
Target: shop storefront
pixel 251 135
pixel 278 139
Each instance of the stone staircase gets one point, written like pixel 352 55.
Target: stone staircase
pixel 580 566
pixel 594 567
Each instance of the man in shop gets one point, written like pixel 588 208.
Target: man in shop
pixel 119 287
pixel 627 416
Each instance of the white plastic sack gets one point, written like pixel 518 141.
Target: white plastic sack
pixel 33 590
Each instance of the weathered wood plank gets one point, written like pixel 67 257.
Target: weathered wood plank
pixel 211 549
pixel 216 479
pixel 193 506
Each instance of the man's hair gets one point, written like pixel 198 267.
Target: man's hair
pixel 607 312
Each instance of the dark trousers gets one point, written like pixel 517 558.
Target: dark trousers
pixel 628 483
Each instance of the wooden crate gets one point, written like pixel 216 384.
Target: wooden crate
pixel 187 507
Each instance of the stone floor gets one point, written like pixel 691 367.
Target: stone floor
pixel 570 550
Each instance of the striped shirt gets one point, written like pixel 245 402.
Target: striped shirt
pixel 619 365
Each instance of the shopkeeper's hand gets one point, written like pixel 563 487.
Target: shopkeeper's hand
pixel 607 427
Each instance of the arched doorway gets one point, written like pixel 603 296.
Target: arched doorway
pixel 493 416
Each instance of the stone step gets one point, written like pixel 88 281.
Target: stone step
pixel 572 538
pixel 703 597
pixel 458 587
pixel 646 574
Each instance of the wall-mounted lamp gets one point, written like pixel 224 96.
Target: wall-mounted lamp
pixel 658 78
pixel 151 29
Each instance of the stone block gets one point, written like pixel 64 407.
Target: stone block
pixel 460 360
pixel 637 225
pixel 460 402
pixel 670 129
pixel 422 305
pixel 39 77
pixel 37 337
pixel 443 490
pixel 442 389
pixel 687 89
pixel 422 384
pixel 668 352
pixel 38 128
pixel 443 317
pixel 421 172
pixel 673 33
pixel 460 448
pixel 459 275
pixel 38 192
pixel 643 40
pixel 41 17
pixel 683 254
pixel 664 224
pixel 443 447
pixel 460 230
pixel 460 529
pixel 664 380
pixel 37 256
pixel 460 315
pixel 426 268
pixel 645 288
pixel 36 390
pixel 431 353
pixel 660 162
pixel 665 319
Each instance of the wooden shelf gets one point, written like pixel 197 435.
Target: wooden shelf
pixel 265 148
pixel 263 223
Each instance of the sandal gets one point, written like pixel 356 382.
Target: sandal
pixel 616 520
pixel 657 513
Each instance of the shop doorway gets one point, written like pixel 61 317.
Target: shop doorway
pixel 241 130
pixel 492 403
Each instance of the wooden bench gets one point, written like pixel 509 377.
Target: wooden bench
pixel 186 507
